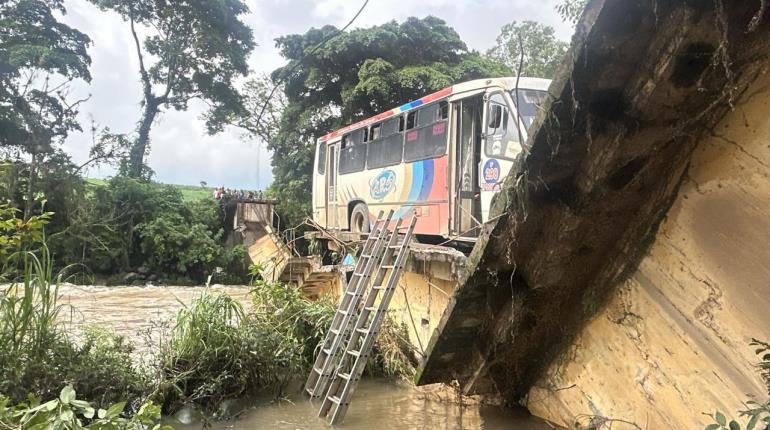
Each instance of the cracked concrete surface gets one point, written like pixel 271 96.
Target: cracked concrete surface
pixel 673 341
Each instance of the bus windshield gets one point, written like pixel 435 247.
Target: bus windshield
pixel 530 102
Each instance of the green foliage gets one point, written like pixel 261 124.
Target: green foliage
pixel 199 49
pixel 542 50
pixel 173 245
pixel 570 10
pixel 38 357
pixel 356 74
pixel 17 235
pixel 33 42
pixel 757 414
pixel 67 412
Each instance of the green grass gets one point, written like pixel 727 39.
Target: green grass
pixel 190 193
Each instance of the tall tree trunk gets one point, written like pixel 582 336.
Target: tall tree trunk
pixel 30 187
pixel 136 161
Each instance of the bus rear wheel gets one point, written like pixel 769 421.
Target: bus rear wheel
pixel 359 219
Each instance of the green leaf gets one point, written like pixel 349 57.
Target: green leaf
pixel 89 412
pixel 734 425
pixel 115 410
pixel 713 427
pixel 66 415
pixel 720 417
pixel 752 422
pixel 49 406
pixel 67 394
pixel 82 404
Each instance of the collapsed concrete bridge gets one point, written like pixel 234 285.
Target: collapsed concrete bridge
pixel 644 84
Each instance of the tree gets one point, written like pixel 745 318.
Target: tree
pixel 200 48
pixel 542 51
pixel 354 75
pixel 39 58
pixel 570 10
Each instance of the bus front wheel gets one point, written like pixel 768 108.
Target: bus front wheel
pixel 359 219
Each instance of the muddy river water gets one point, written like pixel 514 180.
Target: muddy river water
pixel 376 404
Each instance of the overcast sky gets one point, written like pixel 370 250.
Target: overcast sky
pixel 181 151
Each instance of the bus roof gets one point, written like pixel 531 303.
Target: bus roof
pixel 508 83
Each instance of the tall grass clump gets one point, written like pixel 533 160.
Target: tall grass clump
pixel 218 351
pixel 37 356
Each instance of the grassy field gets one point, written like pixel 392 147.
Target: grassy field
pixel 189 192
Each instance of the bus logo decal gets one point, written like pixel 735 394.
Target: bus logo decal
pixel 382 184
pixel 492 171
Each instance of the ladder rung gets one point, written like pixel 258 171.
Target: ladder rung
pixel 354 353
pixel 396 246
pixel 362 330
pixel 335 331
pixel 370 308
pixel 379 287
pixel 387 266
pixel 334 399
pixel 327 351
pixel 352 293
pixel 366 255
pixel 318 370
pixel 345 376
pixel 343 312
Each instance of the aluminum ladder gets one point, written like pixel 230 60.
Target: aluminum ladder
pixel 331 350
pixel 361 340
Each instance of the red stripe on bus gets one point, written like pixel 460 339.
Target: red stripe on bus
pixel 387 114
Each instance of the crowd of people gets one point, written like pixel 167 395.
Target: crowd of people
pixel 227 193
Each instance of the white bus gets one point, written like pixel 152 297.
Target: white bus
pixel 442 157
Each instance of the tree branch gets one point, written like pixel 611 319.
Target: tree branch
pixel 142 70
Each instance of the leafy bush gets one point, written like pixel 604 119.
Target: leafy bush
pixel 172 245
pixel 757 413
pixel 38 357
pixel 220 351
pixel 67 412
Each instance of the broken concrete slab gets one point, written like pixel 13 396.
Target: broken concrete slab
pixel 641 83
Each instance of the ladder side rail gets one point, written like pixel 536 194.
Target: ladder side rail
pixel 333 356
pixel 373 330
pixel 351 342
pixel 329 339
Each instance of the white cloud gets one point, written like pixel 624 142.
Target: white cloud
pixel 182 152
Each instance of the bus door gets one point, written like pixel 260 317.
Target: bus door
pixel 500 146
pixel 467 213
pixel 331 187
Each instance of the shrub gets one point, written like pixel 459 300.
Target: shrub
pixel 38 357
pixel 67 412
pixel 757 413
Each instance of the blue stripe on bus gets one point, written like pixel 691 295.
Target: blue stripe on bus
pixel 417 179
pixel 427 180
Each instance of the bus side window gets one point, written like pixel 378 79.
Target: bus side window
pixel 322 158
pixel 400 123
pixel 443 111
pixel 411 120
pixel 375 132
pixel 353 152
pixel 429 138
pixel 502 133
pixel 386 150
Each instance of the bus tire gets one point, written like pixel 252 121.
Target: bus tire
pixel 359 219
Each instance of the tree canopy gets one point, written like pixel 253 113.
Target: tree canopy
pixel 542 51
pixel 198 49
pixel 354 75
pixel 34 47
